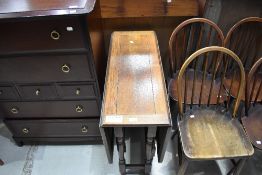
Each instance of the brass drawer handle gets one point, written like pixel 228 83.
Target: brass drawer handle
pixel 79 108
pixel 78 91
pixel 14 110
pixel 84 129
pixel 65 68
pixel 37 92
pixel 25 130
pixel 55 35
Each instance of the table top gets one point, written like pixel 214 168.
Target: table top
pixel 31 8
pixel 135 92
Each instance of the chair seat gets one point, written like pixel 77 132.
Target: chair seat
pixel 172 88
pixel 212 134
pixel 235 86
pixel 253 125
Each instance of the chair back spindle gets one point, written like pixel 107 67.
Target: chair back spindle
pixel 211 53
pixel 190 36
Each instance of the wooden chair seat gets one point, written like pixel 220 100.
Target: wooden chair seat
pixel 172 88
pixel 253 125
pixel 235 86
pixel 208 133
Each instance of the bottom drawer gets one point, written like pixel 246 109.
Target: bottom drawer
pixel 54 128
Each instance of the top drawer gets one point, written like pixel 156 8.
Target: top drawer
pixel 41 35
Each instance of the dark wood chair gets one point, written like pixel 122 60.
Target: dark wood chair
pixel 206 131
pixel 252 121
pixel 188 37
pixel 244 38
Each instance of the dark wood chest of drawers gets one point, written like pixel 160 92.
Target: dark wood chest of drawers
pixel 48 85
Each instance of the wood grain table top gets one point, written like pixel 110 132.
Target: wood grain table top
pixel 31 8
pixel 135 92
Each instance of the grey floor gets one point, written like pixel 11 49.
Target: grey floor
pixel 91 160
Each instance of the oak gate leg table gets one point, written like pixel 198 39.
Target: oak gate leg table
pixel 135 96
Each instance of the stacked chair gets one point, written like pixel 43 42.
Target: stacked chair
pixel 252 121
pixel 189 36
pixel 209 84
pixel 244 38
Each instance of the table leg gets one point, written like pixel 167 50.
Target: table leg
pixel 150 148
pixel 120 141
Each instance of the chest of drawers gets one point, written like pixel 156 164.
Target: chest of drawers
pixel 48 85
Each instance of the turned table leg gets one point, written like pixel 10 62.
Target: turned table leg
pixel 150 148
pixel 120 141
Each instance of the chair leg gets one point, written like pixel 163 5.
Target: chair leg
pixel 182 161
pixel 239 166
pixel 174 134
pixel 183 166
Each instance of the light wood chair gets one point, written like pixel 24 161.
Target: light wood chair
pixel 188 37
pixel 209 132
pixel 252 121
pixel 245 39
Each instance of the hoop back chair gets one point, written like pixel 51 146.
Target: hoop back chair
pixel 186 38
pixel 212 131
pixel 244 38
pixel 252 121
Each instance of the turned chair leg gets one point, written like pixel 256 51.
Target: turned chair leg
pixel 239 166
pixel 174 134
pixel 182 160
pixel 183 166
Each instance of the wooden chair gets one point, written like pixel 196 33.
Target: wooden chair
pixel 188 37
pixel 209 132
pixel 244 38
pixel 252 121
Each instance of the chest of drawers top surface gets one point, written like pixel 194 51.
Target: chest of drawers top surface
pixel 31 8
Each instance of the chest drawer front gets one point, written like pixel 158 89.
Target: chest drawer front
pixel 77 91
pixel 8 93
pixel 37 92
pixel 45 69
pixel 40 35
pixel 54 128
pixel 50 109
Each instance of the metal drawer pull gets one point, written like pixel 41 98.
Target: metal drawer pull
pixel 55 35
pixel 78 91
pixel 79 108
pixel 1 92
pixel 65 68
pixel 84 129
pixel 37 92
pixel 14 110
pixel 25 130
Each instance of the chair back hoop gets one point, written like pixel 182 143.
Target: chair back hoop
pixel 245 20
pixel 244 41
pixel 188 22
pixel 195 56
pixel 251 73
